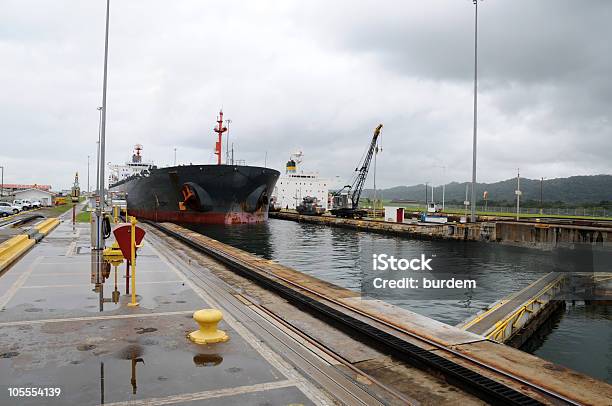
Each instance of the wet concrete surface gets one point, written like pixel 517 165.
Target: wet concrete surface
pixel 58 328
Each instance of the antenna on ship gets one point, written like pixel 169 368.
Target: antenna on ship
pixel 219 129
pixel 137 158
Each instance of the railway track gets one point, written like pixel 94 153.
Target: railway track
pixel 19 220
pixel 475 382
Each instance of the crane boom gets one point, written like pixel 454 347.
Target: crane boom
pixel 346 200
pixel 357 187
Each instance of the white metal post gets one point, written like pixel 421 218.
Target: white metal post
pixel 473 216
pixel 518 194
pixel 101 180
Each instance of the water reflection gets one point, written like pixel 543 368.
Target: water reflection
pixel 207 360
pixel 134 361
pixel 333 254
pixel 254 236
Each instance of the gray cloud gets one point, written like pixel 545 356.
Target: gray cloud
pixel 310 75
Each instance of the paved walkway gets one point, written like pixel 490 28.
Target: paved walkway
pixel 58 328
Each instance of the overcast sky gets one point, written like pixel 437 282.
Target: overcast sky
pixel 311 75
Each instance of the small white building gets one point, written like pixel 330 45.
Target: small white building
pixel 43 196
pixel 294 185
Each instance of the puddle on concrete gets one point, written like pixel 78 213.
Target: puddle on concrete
pixel 143 330
pixel 152 365
pixel 207 360
pixel 131 351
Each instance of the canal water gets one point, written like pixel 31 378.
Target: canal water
pixel 579 337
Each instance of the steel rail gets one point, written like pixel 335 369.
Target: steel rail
pixel 219 291
pixel 450 367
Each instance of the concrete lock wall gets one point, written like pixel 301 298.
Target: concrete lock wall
pixel 548 235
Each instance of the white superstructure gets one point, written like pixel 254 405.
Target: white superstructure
pixel 295 184
pixel 121 172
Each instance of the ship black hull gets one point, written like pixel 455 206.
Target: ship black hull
pixel 200 194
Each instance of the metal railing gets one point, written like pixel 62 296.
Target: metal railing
pixel 504 329
pixel 508 210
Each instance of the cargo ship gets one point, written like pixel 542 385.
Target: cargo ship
pixel 295 185
pixel 197 194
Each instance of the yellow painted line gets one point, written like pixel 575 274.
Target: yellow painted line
pixel 500 327
pixel 481 316
pixel 18 283
pixel 210 394
pixel 95 318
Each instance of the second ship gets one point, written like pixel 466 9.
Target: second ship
pixel 202 194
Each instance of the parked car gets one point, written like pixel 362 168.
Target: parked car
pixel 20 205
pixel 7 209
pixel 36 204
pixel 27 204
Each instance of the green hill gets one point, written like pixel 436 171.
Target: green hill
pixel 575 190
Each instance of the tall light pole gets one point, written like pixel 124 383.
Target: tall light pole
pixel 174 156
pixel 443 183
pixel 2 185
pixel 100 208
pixel 518 194
pixel 98 153
pixel 541 195
pixel 88 174
pixel 473 213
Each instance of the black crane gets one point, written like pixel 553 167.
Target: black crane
pixel 346 200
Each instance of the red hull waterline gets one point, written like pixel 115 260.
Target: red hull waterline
pixel 199 218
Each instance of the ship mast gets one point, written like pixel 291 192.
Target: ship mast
pixel 219 129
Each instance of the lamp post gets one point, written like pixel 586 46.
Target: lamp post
pixel 98 152
pixel 175 156
pixel 2 185
pixel 443 183
pixel 87 174
pixel 518 194
pixel 473 212
pixel 100 207
pixel 541 195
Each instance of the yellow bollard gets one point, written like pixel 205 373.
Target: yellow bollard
pixel 133 303
pixel 208 333
pixel 116 214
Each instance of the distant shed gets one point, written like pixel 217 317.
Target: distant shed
pixel 45 197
